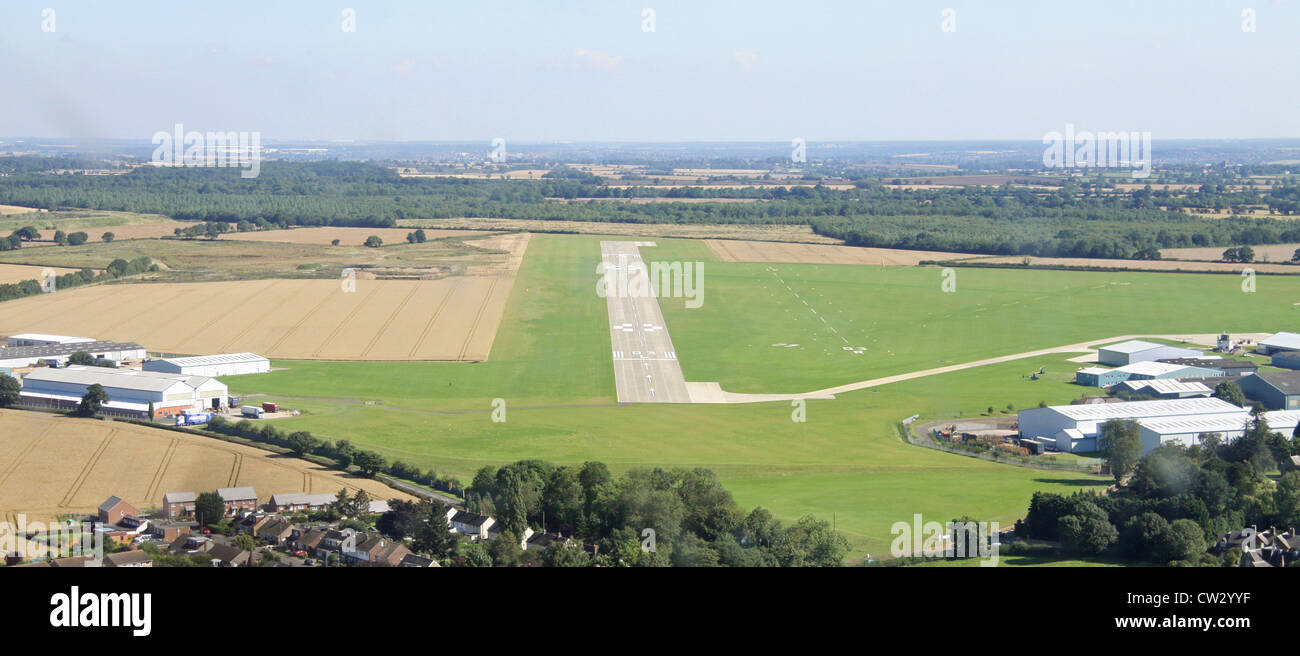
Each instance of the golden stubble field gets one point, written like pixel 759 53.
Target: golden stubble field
pixel 10 273
pixel 453 318
pixel 52 465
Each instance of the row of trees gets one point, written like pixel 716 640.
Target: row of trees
pixel 674 517
pixel 115 269
pixel 343 452
pixel 1074 221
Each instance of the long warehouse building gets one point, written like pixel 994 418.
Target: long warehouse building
pixel 130 392
pixel 15 357
pixel 225 364
pixel 1074 428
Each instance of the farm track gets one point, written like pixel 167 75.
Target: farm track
pixel 87 469
pixel 428 327
pixel 114 326
pixel 235 469
pixel 310 313
pixel 347 319
pixel 478 317
pixel 156 482
pixel 22 455
pixel 389 321
pixel 182 315
pixel 250 325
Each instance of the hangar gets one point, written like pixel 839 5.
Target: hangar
pixel 130 392
pixel 1136 350
pixel 1186 430
pixel 15 357
pixel 225 364
pixel 38 339
pixel 1074 428
pixel 1278 343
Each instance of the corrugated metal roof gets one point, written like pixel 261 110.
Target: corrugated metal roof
pixel 1168 386
pixel 1282 340
pixel 1281 420
pixel 1131 346
pixel 51 350
pixel 40 337
pixel 1151 368
pixel 122 379
pixel 222 358
pixel 1138 409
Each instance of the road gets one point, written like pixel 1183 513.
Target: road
pixel 646 369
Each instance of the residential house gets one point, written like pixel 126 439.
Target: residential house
pixel 412 560
pixel 238 498
pixel 544 541
pixel 168 531
pixel 471 524
pixel 133 558
pixel 224 555
pixel 376 550
pixel 114 509
pixel 179 504
pixel 275 530
pixel 299 501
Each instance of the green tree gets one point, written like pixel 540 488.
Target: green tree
pixel 77 238
pixel 373 241
pixel 369 462
pixel 1085 536
pixel 505 550
pixel 1184 539
pixel 301 442
pixel 92 401
pixel 566 556
pixel 1142 535
pixel 1121 446
pixel 60 237
pixel 81 358
pixel 244 542
pixel 108 236
pixel 1230 392
pixel 209 508
pixel 9 391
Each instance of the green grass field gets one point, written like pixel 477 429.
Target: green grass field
pixel 846 463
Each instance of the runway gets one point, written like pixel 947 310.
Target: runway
pixel 646 369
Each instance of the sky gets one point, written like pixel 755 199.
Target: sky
pixel 709 70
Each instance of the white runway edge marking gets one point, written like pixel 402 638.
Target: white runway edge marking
pixel 639 334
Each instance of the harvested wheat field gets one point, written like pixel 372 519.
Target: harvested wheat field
pixel 1263 253
pixel 11 273
pixel 17 209
pixel 761 251
pixel 53 465
pixel 346 236
pixel 452 318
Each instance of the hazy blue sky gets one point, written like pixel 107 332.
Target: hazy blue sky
pixel 550 70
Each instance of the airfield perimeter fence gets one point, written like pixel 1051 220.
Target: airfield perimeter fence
pixel 1023 461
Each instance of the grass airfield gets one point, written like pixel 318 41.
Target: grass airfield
pixel 846 462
